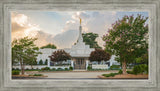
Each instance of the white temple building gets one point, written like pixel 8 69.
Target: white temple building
pixel 79 52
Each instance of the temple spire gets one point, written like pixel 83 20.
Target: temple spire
pixel 80 38
pixel 80 21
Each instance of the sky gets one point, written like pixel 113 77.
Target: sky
pixel 61 28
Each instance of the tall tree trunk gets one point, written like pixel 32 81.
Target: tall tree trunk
pixel 31 66
pixel 22 67
pixel 124 66
pixel 99 62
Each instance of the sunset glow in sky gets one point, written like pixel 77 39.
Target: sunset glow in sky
pixel 61 28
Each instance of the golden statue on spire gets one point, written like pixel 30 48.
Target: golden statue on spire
pixel 80 20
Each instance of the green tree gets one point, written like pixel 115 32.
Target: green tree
pixel 46 61
pixel 90 39
pixel 14 60
pixel 41 62
pixel 52 46
pixel 31 57
pixel 99 55
pixel 127 39
pixel 59 56
pixel 24 51
pixel 32 61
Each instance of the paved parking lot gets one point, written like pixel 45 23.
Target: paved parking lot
pixel 75 74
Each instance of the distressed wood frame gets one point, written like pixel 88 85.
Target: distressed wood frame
pixel 7 84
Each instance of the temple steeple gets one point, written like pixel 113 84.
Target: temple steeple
pixel 80 21
pixel 80 38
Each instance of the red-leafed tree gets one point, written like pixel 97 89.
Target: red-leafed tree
pixel 59 56
pixel 99 55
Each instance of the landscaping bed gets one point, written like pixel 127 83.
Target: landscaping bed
pixel 126 76
pixel 29 76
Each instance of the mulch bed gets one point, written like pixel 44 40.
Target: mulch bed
pixel 126 76
pixel 27 76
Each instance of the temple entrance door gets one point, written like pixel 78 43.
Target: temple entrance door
pixel 80 63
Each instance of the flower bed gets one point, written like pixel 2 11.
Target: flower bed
pixel 127 76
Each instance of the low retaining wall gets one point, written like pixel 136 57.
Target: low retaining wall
pixel 40 66
pixel 100 66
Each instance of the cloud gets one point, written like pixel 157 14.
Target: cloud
pixel 21 27
pixel 99 23
pixel 66 39
pixel 43 38
pixel 80 14
pixel 96 22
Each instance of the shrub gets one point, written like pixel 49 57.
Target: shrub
pixel 136 69
pixel 46 62
pixel 66 69
pixel 13 68
pixel 53 69
pixel 109 75
pixel 41 62
pixel 59 69
pixel 143 68
pixel 70 68
pixel 17 68
pixel 130 72
pixel 27 69
pixel 89 67
pixel 120 72
pixel 106 75
pixel 115 67
pixel 45 68
pixel 38 75
pixel 146 69
pixel 15 72
pixel 112 74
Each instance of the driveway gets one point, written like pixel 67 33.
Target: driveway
pixel 84 74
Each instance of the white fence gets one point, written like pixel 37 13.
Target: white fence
pixel 100 66
pixel 40 66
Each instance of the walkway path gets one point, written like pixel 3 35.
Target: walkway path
pixel 75 74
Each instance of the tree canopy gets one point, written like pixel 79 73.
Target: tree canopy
pixel 99 55
pixel 59 56
pixel 127 39
pixel 52 46
pixel 90 39
pixel 24 51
